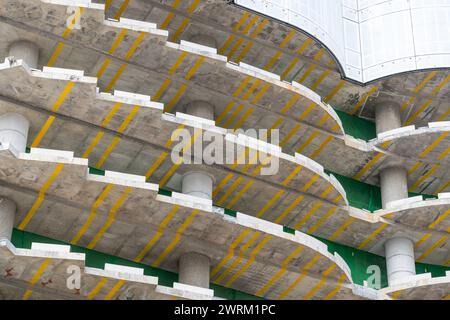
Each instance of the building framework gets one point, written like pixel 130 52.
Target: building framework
pixel 95 94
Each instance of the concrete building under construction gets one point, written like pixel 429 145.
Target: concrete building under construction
pixel 95 95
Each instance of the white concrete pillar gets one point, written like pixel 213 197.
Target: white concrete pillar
pixel 27 51
pixel 201 109
pixel 197 184
pixel 204 40
pixel 14 129
pixel 399 259
pixel 193 270
pixel 394 184
pixel 387 117
pixel 7 214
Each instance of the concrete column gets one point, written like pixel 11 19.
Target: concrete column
pixel 14 129
pixel 387 117
pixel 7 214
pixel 204 40
pixel 399 259
pixel 193 269
pixel 27 51
pixel 200 109
pixel 197 184
pixel 394 184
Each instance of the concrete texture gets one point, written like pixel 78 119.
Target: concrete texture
pixel 128 132
pixel 7 217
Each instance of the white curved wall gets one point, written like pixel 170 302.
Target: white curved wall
pixel 371 38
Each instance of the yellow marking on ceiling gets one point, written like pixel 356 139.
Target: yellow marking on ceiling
pixel 233 116
pixel 432 146
pixel 177 63
pixel 195 68
pixel 363 100
pixel 427 79
pixel 221 184
pixel 299 278
pixel 115 289
pixel 180 92
pixel 372 235
pixel 418 112
pixel 307 142
pixel 59 101
pixel 440 86
pixel 261 93
pixel 244 51
pixel 161 228
pixel 280 272
pixel 121 9
pixel 341 229
pixel 407 103
pixel 239 258
pixel 93 213
pixel 252 89
pixel 170 15
pixel 424 177
pixel 444 154
pixel 41 197
pixel 161 90
pixel 423 240
pixel 240 194
pixel 65 35
pixel 441 241
pixel 321 147
pixel 414 168
pixel 308 215
pixel 230 253
pixel 156 165
pixel 290 135
pixel 97 288
pixel 244 118
pixel 333 92
pixel 368 166
pixel 111 217
pixel 249 262
pixel 229 191
pixel 314 228
pixel 187 222
pixel 320 79
pixel 445 186
pixel 289 209
pixel 337 289
pixel 307 111
pixel 321 282
pixel 36 277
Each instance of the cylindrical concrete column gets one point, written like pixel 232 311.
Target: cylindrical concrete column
pixel 399 258
pixel 200 109
pixel 204 40
pixel 394 184
pixel 197 184
pixel 387 117
pixel 193 269
pixel 14 129
pixel 27 51
pixel 7 214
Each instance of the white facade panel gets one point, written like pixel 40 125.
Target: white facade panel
pixel 371 38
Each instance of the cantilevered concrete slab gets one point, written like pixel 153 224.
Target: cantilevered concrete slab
pixel 59 263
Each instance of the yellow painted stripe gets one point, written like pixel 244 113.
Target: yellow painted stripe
pixel 369 238
pixel 230 253
pixel 115 78
pixel 290 135
pixel 368 166
pixel 418 112
pixel 423 240
pixel 440 86
pixel 230 190
pixel 157 235
pixel 171 15
pixel 445 186
pixel 121 9
pixel 156 165
pixel 93 213
pixel 180 29
pixel 134 46
pixel 337 289
pixel 278 275
pixel 363 100
pixel 341 229
pixel 423 178
pixel 175 98
pixel 244 52
pixel 270 203
pixel 233 116
pixel 41 196
pixel 239 258
pixel 234 48
pixel 314 228
pixel 444 154
pixel 187 222
pixel 333 92
pixel 321 147
pixel 299 278
pixel 243 118
pixel 177 63
pixel 115 289
pixel 289 209
pixel 441 241
pixel 432 146
pixel 307 142
pixel 249 262
pixel 308 215
pixel 97 288
pixel 36 277
pixel 320 79
pixel 195 68
pixel 161 90
pixel 240 194
pixel 427 79
pixel 320 284
pixel 111 217
pixel 261 93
